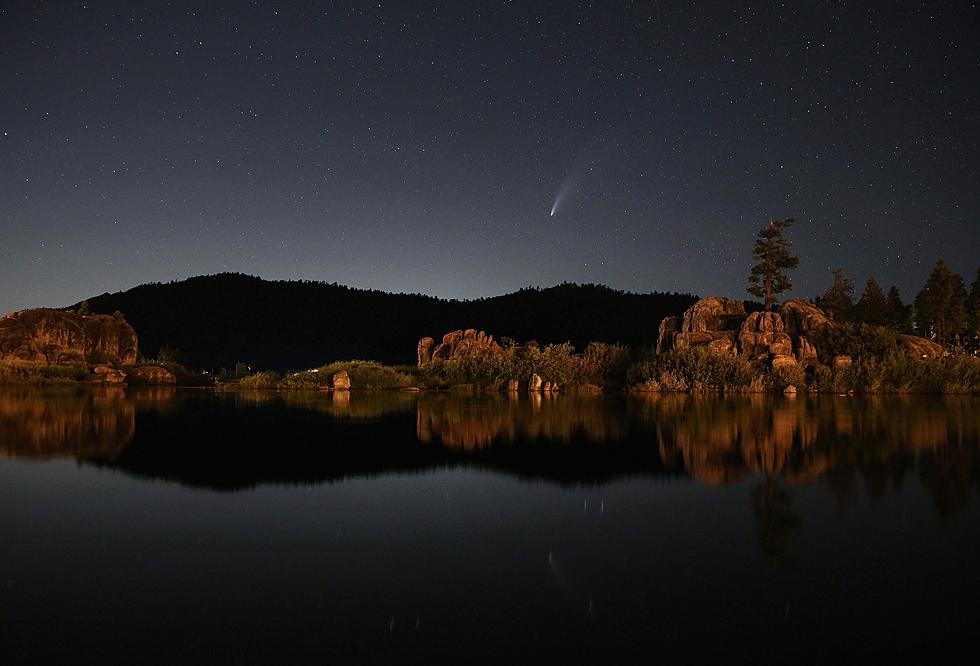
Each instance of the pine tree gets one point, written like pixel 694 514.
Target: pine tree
pixel 838 301
pixel 773 260
pixel 973 314
pixel 941 304
pixel 895 308
pixel 873 307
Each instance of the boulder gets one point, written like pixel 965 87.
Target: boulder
pixel 801 317
pixel 781 345
pixel 759 332
pixel 669 327
pixel 790 390
pixel 703 339
pixel 341 381
pixel 917 347
pixel 806 353
pixel 534 385
pixel 783 360
pixel 457 344
pixel 513 386
pixel 715 313
pixel 547 387
pixel 425 351
pixel 723 345
pixel 152 375
pixel 54 337
pixel 104 374
pixel 554 387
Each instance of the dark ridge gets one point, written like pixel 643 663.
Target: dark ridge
pixel 218 320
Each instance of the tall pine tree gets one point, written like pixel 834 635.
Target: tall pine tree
pixel 895 307
pixel 941 305
pixel 873 307
pixel 772 261
pixel 973 314
pixel 838 300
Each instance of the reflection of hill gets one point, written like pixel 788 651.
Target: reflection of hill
pixel 64 423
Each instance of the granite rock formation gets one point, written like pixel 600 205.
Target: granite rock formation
pixel 712 322
pixel 782 337
pixel 920 347
pixel 55 337
pixel 152 375
pixel 456 344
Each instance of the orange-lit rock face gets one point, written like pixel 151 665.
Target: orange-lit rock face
pixel 713 314
pixel 917 347
pixel 54 337
pixel 456 344
pixel 802 318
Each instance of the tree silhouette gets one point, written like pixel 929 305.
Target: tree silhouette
pixel 941 305
pixel 838 300
pixel 895 308
pixel 973 314
pixel 772 261
pixel 873 306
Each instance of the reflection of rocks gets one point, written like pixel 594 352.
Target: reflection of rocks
pixel 65 423
pixel 57 337
pixel 469 425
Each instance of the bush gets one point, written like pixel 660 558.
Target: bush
pixel 789 375
pixel 859 341
pixel 363 375
pixel 267 379
pixel 698 369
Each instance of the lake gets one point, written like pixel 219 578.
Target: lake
pixel 169 526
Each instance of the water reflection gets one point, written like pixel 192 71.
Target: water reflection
pixel 241 439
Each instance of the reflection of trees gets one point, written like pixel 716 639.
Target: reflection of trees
pixel 65 422
pixel 771 504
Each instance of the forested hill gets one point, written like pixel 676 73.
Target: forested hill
pixel 215 321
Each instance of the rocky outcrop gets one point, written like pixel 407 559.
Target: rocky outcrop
pixel 920 347
pixel 802 318
pixel 54 337
pixel 804 350
pixel 715 313
pixel 669 328
pixel 457 344
pixel 721 324
pixel 762 334
pixel 425 351
pixel 152 375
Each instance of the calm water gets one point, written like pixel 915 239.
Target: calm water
pixel 168 526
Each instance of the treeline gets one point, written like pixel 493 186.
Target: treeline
pixel 943 310
pixel 217 321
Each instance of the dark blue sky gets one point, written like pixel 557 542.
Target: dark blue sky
pixel 417 146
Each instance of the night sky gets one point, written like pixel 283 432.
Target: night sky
pixel 422 147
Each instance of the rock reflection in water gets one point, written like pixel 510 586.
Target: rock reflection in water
pixel 470 424
pixel 65 423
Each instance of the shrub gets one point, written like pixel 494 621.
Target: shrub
pixel 698 369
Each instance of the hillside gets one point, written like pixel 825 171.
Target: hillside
pixel 218 320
